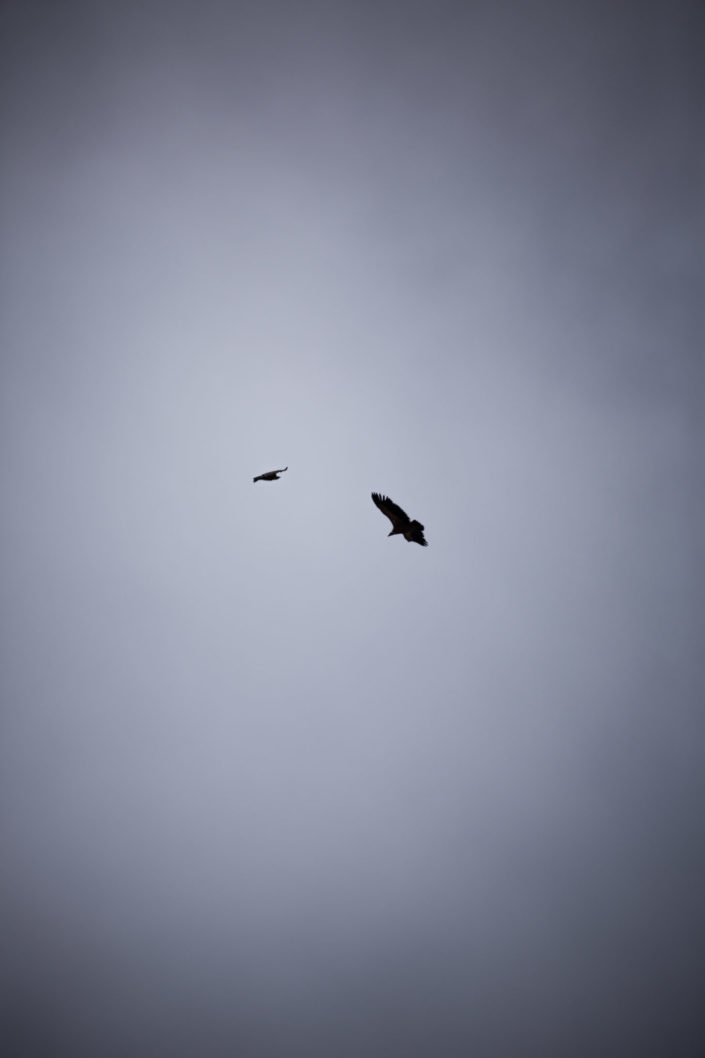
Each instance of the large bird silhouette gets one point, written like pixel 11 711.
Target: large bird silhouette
pixel 401 523
pixel 271 475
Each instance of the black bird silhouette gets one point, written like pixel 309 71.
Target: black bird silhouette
pixel 271 475
pixel 401 523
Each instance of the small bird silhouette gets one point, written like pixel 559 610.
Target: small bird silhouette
pixel 271 475
pixel 401 523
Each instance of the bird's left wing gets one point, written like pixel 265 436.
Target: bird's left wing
pixel 392 510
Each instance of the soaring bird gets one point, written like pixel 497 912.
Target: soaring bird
pixel 271 475
pixel 401 523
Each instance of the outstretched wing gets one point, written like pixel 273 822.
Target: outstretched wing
pixel 398 517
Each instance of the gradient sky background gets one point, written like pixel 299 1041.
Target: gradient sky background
pixel 272 783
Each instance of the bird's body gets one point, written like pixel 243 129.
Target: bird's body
pixel 401 523
pixel 271 475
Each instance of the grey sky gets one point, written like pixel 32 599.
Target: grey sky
pixel 273 783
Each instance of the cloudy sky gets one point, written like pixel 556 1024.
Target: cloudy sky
pixel 272 783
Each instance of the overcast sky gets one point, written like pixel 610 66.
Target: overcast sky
pixel 273 783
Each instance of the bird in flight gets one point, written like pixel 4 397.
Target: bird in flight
pixel 401 523
pixel 271 475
